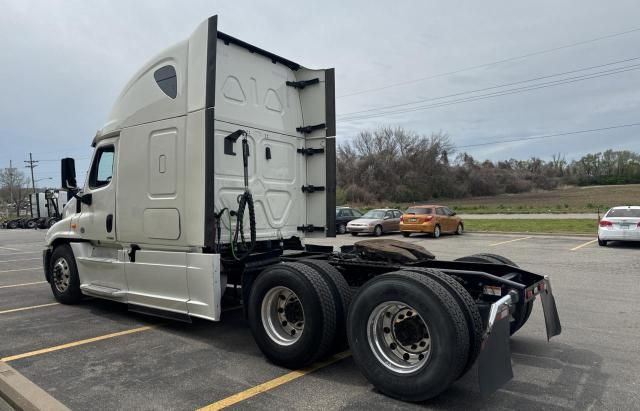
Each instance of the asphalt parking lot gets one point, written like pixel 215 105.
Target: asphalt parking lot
pixel 97 355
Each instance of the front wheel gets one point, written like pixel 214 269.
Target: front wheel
pixel 342 228
pixel 377 231
pixel 63 275
pixel 460 229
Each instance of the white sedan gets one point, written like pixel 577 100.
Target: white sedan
pixel 620 224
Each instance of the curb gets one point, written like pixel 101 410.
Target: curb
pixel 530 233
pixel 24 395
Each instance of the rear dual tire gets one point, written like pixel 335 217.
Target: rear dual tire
pixel 522 312
pixel 408 335
pixel 296 312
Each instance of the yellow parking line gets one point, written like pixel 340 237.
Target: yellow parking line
pixel 21 285
pixel 21 269
pixel 584 245
pixel 509 241
pixel 276 382
pixel 10 249
pixel 76 343
pixel 13 310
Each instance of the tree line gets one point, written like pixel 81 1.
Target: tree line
pixel 395 164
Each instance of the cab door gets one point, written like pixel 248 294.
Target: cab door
pixel 100 260
pixel 97 218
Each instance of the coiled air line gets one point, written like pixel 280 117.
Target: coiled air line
pixel 239 249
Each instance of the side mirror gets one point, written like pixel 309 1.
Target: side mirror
pixel 453 213
pixel 68 173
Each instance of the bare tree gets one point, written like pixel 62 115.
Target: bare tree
pixel 13 183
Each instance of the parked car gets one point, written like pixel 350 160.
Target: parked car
pixel 620 224
pixel 376 222
pixel 431 219
pixel 343 216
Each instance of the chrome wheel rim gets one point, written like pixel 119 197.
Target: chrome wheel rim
pixel 436 232
pixel 460 229
pixel 399 337
pixel 342 229
pixel 378 231
pixel 61 274
pixel 282 316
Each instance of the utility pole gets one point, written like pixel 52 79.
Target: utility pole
pixel 31 163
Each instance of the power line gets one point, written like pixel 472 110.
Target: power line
pixel 494 87
pixel 498 94
pixel 567 133
pixel 523 56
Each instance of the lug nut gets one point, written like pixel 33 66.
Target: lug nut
pixel 406 357
pixel 386 330
pixel 393 346
pixel 284 323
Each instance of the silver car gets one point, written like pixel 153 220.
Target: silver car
pixel 376 222
pixel 620 224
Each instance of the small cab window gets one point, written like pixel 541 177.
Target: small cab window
pixel 102 167
pixel 167 81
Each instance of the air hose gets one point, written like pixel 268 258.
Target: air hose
pixel 239 249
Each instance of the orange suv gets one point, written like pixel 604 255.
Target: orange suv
pixel 432 219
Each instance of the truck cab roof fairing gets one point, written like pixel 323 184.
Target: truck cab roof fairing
pixel 143 99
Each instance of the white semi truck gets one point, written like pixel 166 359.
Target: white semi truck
pixel 216 162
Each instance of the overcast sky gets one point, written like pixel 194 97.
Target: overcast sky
pixel 63 64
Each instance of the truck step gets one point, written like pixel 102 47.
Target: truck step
pixel 102 291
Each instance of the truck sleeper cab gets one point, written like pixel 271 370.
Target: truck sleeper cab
pixel 216 162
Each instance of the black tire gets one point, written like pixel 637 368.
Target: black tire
pixel 468 307
pixel 342 228
pixel 377 231
pixel 406 234
pixel 12 225
pixel 602 243
pixel 341 293
pixel 436 231
pixel 522 313
pixel 447 329
pixel 71 294
pixel 460 229
pixel 51 221
pixel 31 224
pixel 354 234
pixel 319 311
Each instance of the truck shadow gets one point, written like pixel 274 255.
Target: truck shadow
pixel 546 376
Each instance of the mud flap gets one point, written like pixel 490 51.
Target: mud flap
pixel 494 364
pixel 551 318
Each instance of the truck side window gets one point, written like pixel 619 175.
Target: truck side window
pixel 167 81
pixel 102 167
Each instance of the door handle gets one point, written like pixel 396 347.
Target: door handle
pixel 109 223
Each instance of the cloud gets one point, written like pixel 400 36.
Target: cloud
pixel 66 61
